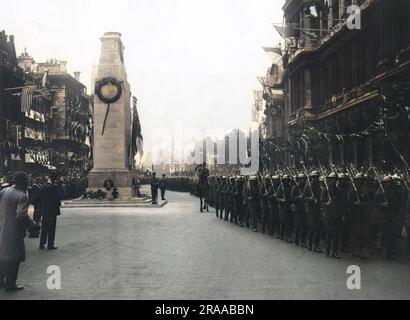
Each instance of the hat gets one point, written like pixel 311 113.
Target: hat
pixel 285 177
pixel 301 176
pixel 20 178
pixel 253 178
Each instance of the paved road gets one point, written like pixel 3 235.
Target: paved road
pixel 177 253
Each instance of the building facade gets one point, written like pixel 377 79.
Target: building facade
pixel 347 88
pixel 44 115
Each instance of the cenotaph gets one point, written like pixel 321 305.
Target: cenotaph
pixel 112 119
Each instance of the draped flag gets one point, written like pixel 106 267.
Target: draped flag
pixel 27 98
pixel 137 139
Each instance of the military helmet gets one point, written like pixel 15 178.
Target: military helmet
pixel 333 175
pixel 314 174
pixel 342 176
pixel 387 179
pixel 359 176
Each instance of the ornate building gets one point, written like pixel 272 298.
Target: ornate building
pixel 348 87
pixel 273 107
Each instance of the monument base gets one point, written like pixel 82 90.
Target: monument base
pixel 122 181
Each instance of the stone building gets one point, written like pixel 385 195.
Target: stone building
pixel 348 88
pixel 51 135
pixel 24 135
pixel 70 112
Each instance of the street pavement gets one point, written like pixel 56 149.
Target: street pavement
pixel 175 252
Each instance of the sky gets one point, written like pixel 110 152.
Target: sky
pixel 190 63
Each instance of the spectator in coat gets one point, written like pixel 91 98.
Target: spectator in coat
pixel 14 221
pixel 50 203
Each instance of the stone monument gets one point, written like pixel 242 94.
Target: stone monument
pixel 112 119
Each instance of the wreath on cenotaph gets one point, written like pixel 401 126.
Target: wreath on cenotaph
pixel 108 90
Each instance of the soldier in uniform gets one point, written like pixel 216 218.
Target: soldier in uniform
pixel 332 201
pixel 154 188
pixel 263 200
pixel 298 210
pixel 227 198
pixel 221 197
pixel 245 207
pixel 252 197
pixel 312 193
pixel 238 200
pixel 285 217
pixel 273 205
pixel 344 186
pixel 390 197
pixel 359 200
pixel 231 197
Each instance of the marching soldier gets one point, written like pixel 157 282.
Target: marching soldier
pixel 360 201
pixel 285 218
pixel 218 198
pixel 332 201
pixel 390 198
pixel 263 200
pixel 245 210
pixel 252 197
pixel 343 185
pixel 298 210
pixel 227 198
pixel 312 193
pixel 236 200
pixel 273 205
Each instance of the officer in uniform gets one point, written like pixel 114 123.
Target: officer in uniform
pixel 285 217
pixel 252 197
pixel 312 193
pixel 298 210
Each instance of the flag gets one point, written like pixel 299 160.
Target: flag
pixel 44 82
pixel 27 98
pixel 137 140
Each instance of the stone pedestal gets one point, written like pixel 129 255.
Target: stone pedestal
pixel 111 148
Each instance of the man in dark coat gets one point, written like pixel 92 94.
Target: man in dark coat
pixel 154 188
pixel 163 187
pixel 50 202
pixel 14 220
